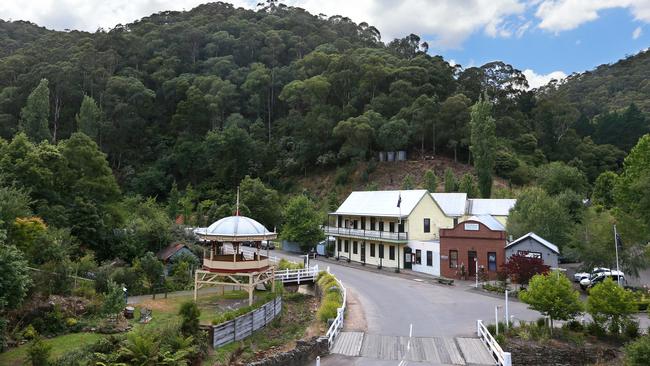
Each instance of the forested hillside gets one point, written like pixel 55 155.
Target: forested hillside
pixel 185 105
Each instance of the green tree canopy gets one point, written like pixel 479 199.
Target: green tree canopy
pixel 89 118
pixel 540 213
pixel 556 177
pixel 34 116
pixel 552 294
pixel 302 223
pixel 262 202
pixel 15 280
pixel 610 304
pixel 483 144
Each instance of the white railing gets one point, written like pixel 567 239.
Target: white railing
pixel 337 325
pixel 502 358
pixel 249 253
pixel 297 275
pixel 373 234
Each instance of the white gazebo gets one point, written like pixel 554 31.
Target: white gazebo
pixel 224 261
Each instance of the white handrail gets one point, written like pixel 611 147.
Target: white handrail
pixel 297 275
pixel 502 358
pixel 337 324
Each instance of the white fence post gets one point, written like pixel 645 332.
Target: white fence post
pixel 478 328
pixel 507 359
pixel 317 360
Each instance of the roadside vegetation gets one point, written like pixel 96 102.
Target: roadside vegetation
pixel 331 296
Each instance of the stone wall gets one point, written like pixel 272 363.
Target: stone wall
pixel 558 354
pixel 304 352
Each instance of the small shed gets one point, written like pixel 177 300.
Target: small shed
pixel 175 250
pixel 534 245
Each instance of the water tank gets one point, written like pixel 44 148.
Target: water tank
pixel 390 156
pixel 401 155
pixel 382 156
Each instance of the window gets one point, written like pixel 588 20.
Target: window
pixel 381 250
pixel 354 247
pixel 429 258
pixel 492 261
pixel 363 223
pixel 347 223
pixel 340 221
pixel 381 226
pixel 455 221
pixel 418 256
pixel 453 259
pixel 347 246
pixel 339 244
pixel 372 249
pixel 391 227
pixel 355 224
pixel 470 226
pixel 400 227
pixel 391 252
pixel 427 225
pixel 372 223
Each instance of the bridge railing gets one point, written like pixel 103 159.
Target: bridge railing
pixel 297 275
pixel 502 358
pixel 337 325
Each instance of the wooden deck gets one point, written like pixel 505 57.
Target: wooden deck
pixel 437 350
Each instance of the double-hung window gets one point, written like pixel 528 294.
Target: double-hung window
pixel 453 259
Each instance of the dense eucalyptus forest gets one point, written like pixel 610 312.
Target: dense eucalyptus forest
pixel 177 108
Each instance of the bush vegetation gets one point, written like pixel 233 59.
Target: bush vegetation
pixel 331 296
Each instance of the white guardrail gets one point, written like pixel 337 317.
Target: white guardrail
pixel 297 275
pixel 337 325
pixel 502 358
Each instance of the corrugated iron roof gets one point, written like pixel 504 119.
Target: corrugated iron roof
pixel 490 206
pixel 451 204
pixel 489 221
pixel 380 203
pixel 538 239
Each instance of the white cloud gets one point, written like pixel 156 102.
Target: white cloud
pixel 637 33
pixel 89 15
pixel 536 80
pixel 447 22
pixel 562 15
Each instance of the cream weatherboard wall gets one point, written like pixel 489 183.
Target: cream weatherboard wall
pixel 372 257
pixel 427 209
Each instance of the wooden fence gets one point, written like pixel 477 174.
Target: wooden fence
pixel 244 325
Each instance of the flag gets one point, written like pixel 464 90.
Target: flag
pixel 399 200
pixel 619 241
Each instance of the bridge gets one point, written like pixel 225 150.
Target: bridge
pixel 300 276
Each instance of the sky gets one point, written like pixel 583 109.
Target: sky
pixel 543 38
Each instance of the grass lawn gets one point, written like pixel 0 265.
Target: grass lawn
pixel 60 345
pixel 164 311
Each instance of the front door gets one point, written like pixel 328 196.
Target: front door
pixel 363 252
pixel 407 258
pixel 471 263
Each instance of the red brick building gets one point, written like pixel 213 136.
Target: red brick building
pixel 480 238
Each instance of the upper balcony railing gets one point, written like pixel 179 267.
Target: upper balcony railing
pixel 371 234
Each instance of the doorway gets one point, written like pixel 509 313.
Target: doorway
pixel 408 264
pixel 471 263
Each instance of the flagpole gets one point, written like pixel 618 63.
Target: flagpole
pixel 618 275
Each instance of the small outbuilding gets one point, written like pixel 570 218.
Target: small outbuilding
pixel 176 250
pixel 533 245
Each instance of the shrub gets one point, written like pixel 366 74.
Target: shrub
pixel 285 264
pixel 574 326
pixel 631 329
pixel 190 314
pixel 327 310
pixel 610 304
pixel 38 352
pixel 596 330
pixel 637 353
pixel 30 333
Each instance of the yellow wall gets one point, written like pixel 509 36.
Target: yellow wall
pixel 373 261
pixel 427 208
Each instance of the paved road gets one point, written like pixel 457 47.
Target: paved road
pixel 391 304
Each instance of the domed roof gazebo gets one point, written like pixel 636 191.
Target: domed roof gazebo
pixel 225 263
pixel 225 237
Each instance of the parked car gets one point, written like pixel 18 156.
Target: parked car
pixel 267 244
pixel 599 277
pixel 582 275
